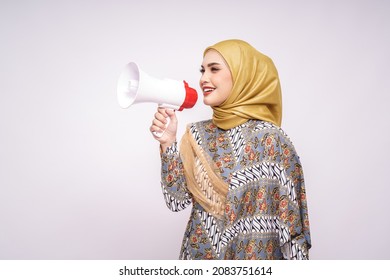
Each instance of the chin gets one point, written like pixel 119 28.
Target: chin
pixel 209 101
pixel 209 104
pixel 206 101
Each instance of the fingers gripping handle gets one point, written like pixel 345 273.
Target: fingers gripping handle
pixel 159 134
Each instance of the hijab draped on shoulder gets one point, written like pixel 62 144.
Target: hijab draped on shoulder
pixel 256 94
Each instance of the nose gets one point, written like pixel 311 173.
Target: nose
pixel 204 79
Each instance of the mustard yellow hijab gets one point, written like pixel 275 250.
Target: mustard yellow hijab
pixel 255 95
pixel 256 92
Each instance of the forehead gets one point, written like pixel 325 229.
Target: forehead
pixel 212 56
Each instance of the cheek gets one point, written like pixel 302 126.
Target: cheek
pixel 228 81
pixel 228 86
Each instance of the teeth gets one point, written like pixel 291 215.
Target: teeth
pixel 208 89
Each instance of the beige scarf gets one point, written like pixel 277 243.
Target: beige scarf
pixel 202 176
pixel 256 95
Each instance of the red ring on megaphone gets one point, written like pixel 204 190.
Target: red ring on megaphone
pixel 190 99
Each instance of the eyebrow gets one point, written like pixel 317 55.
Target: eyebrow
pixel 211 64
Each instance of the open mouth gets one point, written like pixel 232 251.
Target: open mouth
pixel 207 91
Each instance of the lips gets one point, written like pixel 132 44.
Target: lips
pixel 208 90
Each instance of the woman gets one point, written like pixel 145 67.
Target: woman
pixel 239 170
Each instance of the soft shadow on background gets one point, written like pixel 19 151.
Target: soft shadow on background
pixel 79 176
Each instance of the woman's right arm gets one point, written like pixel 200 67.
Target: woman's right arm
pixel 173 181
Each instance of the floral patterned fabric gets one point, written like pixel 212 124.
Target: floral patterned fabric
pixel 266 214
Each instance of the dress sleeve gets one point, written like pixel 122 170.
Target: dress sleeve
pixel 173 181
pixel 293 212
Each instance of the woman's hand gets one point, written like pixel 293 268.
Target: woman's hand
pixel 160 124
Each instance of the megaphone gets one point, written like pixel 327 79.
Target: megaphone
pixel 135 86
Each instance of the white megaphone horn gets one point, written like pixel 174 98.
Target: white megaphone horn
pixel 135 86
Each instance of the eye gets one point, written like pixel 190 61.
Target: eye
pixel 201 70
pixel 214 69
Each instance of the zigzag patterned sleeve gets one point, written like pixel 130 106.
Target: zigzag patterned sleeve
pixel 173 182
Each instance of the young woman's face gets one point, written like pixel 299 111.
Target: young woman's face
pixel 216 81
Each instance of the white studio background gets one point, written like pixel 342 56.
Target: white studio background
pixel 80 177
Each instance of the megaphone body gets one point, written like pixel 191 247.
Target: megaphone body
pixel 135 86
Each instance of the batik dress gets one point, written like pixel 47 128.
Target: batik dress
pixel 266 214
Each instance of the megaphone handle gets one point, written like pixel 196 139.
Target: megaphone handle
pixel 159 134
